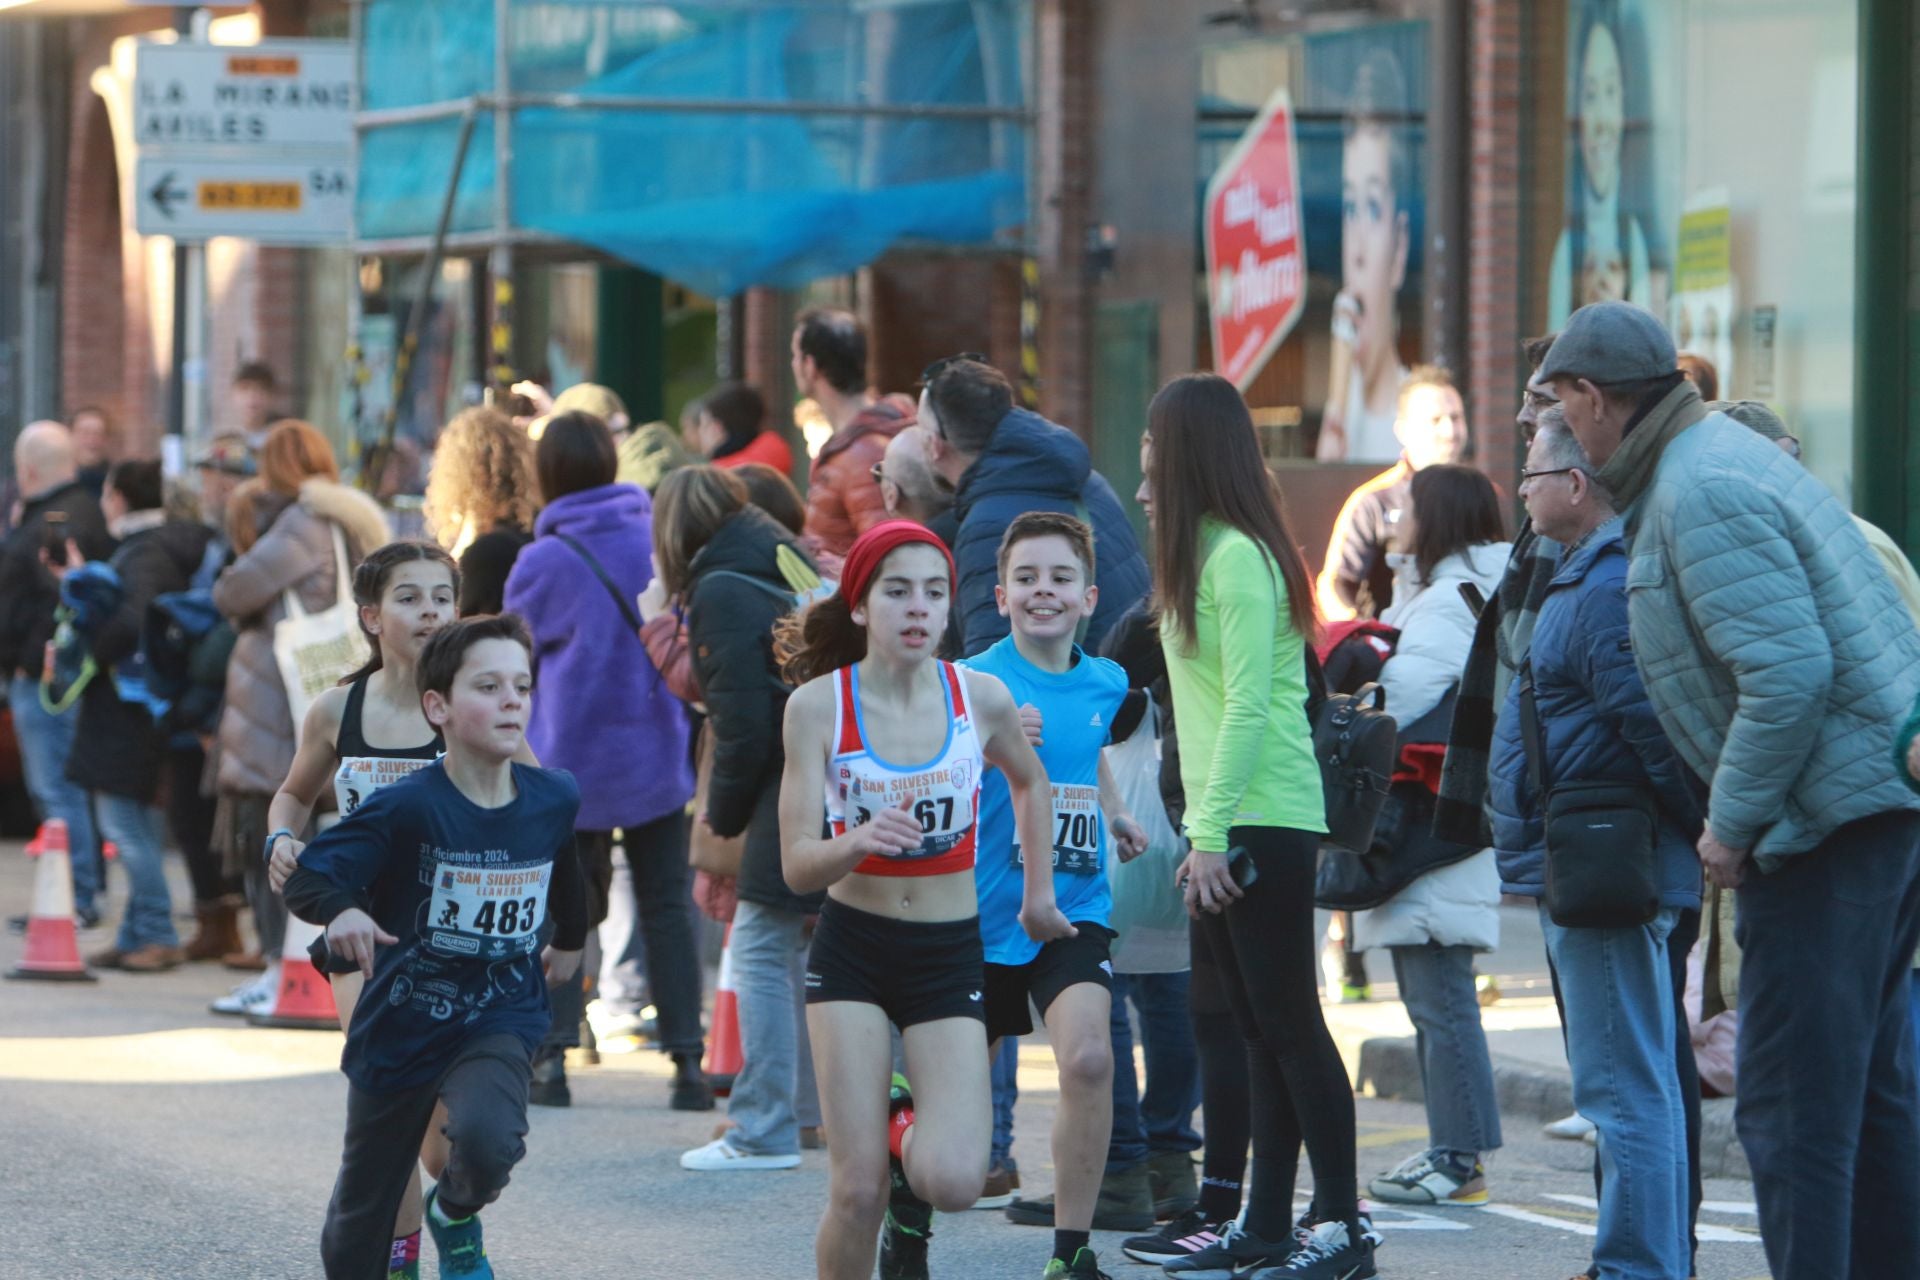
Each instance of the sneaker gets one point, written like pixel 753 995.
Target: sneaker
pixel 909 1223
pixel 1002 1181
pixel 1083 1267
pixel 720 1155
pixel 548 1087
pixel 1328 1252
pixel 1187 1233
pixel 1237 1253
pixel 1572 1128
pixel 1171 1179
pixel 252 996
pixel 1432 1177
pixel 459 1244
pixel 85 917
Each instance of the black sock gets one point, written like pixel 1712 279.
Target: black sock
pixel 1219 1200
pixel 1067 1244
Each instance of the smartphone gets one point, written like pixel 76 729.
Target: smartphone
pixel 54 537
pixel 1240 867
pixel 1476 601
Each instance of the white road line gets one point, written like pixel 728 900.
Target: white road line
pixel 1541 1219
pixel 1706 1233
pixel 1404 1219
pixel 1729 1206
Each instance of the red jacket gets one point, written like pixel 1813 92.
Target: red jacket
pixel 769 447
pixel 843 501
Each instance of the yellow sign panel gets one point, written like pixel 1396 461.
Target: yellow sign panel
pixel 265 197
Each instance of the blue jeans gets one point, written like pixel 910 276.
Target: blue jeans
pixel 1620 1029
pixel 1006 1092
pixel 774 1095
pixel 45 743
pixel 1827 1107
pixel 1456 1074
pixel 1161 1118
pixel 140 831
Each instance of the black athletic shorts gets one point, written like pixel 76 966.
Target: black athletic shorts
pixel 1062 963
pixel 915 971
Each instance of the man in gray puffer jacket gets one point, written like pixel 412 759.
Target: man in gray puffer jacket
pixel 1781 664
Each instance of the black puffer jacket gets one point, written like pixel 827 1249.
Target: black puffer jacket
pixel 117 746
pixel 736 596
pixel 28 593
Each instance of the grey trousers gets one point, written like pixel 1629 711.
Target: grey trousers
pixel 774 1095
pixel 1456 1074
pixel 486 1095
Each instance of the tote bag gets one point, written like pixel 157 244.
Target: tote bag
pixel 1149 911
pixel 315 651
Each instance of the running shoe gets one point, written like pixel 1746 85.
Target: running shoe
pixel 1186 1234
pixel 1572 1128
pixel 1327 1252
pixel 1238 1253
pixel 1433 1177
pixel 459 1244
pixel 255 995
pixel 909 1223
pixel 1083 1267
pixel 720 1155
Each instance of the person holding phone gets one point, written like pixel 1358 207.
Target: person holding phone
pixel 1236 615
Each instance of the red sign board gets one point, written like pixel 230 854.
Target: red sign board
pixel 1256 247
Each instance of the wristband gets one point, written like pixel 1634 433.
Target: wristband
pixel 266 854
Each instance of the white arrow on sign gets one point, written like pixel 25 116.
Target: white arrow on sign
pixel 274 201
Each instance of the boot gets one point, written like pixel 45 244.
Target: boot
pixel 218 932
pixel 1175 1190
pixel 1125 1204
pixel 548 1087
pixel 691 1092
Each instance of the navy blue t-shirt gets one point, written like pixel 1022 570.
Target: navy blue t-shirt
pixel 466 891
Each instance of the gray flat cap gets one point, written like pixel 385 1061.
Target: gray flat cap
pixel 1609 343
pixel 1755 417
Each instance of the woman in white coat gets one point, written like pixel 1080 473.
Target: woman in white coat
pixel 1434 926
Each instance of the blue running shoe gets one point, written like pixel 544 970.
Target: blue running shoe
pixel 462 1251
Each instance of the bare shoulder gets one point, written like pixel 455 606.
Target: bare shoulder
pixel 810 708
pixel 328 710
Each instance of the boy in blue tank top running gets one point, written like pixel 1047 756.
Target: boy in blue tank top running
pixel 1071 700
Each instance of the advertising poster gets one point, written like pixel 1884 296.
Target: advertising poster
pixel 1701 316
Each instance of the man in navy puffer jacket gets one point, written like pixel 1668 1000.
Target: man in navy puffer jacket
pixel 1002 463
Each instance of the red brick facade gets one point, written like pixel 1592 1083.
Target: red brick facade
pixel 1494 265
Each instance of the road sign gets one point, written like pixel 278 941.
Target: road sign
pixel 286 93
pixel 1256 245
pixel 274 201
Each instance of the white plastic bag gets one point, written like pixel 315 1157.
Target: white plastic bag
pixel 1149 912
pixel 314 651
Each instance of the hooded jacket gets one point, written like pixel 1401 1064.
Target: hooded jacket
pixel 843 501
pixel 601 710
pixel 118 746
pixel 1596 725
pixel 1030 464
pixel 294 553
pixel 28 593
pixel 736 595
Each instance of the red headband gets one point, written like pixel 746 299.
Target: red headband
pixel 870 548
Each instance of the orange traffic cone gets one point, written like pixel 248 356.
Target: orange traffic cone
pixel 305 998
pixel 724 1057
pixel 53 947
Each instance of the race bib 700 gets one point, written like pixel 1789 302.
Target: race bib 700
pixel 1076 830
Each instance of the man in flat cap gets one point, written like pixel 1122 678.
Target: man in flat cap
pixel 1781 664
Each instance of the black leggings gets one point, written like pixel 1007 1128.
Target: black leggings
pixel 1223 1086
pixel 190 817
pixel 1264 945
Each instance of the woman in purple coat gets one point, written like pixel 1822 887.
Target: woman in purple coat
pixel 603 713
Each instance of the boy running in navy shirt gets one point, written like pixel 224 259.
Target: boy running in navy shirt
pixel 1046 590
pixel 440 887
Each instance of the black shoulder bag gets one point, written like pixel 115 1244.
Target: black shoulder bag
pixel 1354 743
pixel 1600 839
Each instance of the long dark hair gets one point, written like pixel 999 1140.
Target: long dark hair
pixel 370 584
pixel 1206 462
pixel 822 637
pixel 1454 508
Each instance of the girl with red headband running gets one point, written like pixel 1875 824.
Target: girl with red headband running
pixel 899 937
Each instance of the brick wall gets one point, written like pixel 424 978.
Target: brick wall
pixel 1494 245
pixel 95 320
pixel 1062 205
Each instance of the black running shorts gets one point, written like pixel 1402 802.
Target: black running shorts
pixel 1062 963
pixel 915 971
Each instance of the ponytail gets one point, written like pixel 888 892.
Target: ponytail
pixel 822 638
pixel 370 583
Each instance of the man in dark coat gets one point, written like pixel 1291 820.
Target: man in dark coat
pixel 1002 463
pixel 119 749
pixel 43 465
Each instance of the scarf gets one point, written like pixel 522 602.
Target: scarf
pixel 1501 638
pixel 1629 473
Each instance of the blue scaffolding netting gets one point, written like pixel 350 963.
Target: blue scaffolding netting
pixel 716 200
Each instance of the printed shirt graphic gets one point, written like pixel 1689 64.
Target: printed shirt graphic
pixel 1076 709
pixel 464 889
pixel 944 792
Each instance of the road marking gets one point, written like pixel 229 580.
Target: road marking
pixel 1392 1136
pixel 189 1055
pixel 1704 1232
pixel 1574 1226
pixel 1730 1206
pixel 1401 1219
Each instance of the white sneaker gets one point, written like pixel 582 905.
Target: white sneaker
pixel 252 996
pixel 1573 1128
pixel 721 1154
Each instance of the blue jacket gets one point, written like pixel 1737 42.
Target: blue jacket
pixel 1596 723
pixel 1032 465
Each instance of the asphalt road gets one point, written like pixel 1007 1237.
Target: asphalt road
pixel 145 1137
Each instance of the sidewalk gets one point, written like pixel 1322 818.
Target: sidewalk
pixel 1530 1073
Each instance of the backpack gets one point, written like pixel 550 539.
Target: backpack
pixel 1356 743
pixel 186 645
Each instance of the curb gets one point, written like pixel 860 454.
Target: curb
pixel 1390 1068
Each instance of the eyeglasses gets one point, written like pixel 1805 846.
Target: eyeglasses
pixel 1526 475
pixel 1538 401
pixel 939 367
